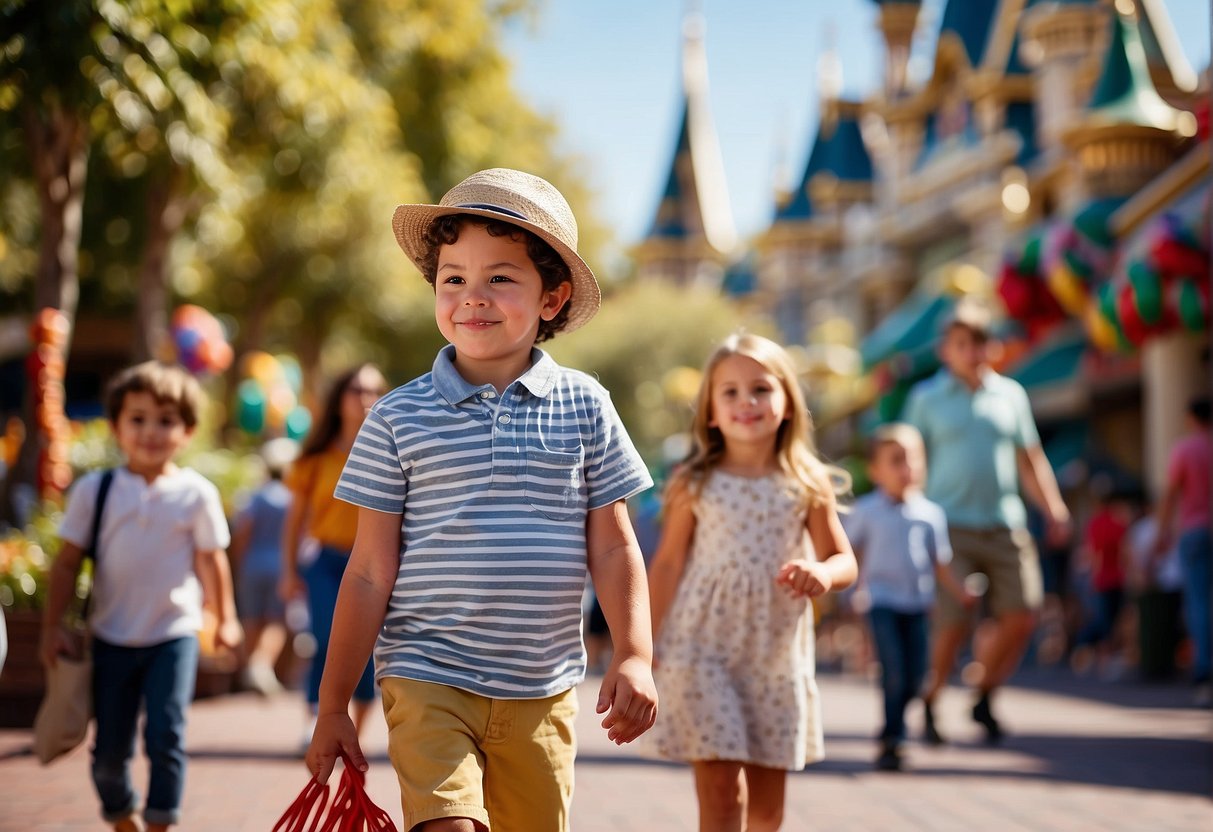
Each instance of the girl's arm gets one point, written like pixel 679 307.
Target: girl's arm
pixel 62 589
pixel 617 568
pixel 677 531
pixel 215 574
pixel 837 570
pixel 362 604
pixel 290 585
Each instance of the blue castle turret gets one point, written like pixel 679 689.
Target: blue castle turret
pixel 692 239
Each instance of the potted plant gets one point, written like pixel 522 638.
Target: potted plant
pixel 25 558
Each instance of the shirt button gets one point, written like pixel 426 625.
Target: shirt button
pixel 504 418
pixel 486 394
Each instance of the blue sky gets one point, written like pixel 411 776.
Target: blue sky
pixel 608 73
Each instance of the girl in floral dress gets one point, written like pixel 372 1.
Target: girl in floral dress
pixel 750 534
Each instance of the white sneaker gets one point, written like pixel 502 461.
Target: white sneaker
pixel 261 678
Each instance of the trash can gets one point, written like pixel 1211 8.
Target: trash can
pixel 1159 632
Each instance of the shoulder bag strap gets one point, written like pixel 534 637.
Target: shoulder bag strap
pixel 90 553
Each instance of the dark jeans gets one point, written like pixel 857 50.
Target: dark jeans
pixel 901 646
pixel 1196 559
pixel 323 579
pixel 159 677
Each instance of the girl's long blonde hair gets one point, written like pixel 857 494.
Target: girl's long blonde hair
pixel 794 447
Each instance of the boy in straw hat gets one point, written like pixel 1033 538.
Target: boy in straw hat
pixel 484 488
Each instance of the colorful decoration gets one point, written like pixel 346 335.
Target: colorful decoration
pixel 45 365
pixel 267 398
pixel 1190 298
pixel 1078 253
pixel 199 340
pixel 1160 287
pixel 1023 290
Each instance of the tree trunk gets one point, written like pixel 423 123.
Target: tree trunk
pixel 58 146
pixel 165 213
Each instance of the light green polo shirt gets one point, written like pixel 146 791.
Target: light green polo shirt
pixel 972 437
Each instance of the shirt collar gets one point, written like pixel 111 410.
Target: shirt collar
pixel 539 378
pixel 985 378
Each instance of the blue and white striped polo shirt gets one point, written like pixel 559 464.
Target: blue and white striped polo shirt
pixel 494 492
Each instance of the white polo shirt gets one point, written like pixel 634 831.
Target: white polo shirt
pixel 145 591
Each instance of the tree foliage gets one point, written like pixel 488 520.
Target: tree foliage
pixel 646 346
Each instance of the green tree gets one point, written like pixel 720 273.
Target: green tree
pixel 646 346
pixel 68 71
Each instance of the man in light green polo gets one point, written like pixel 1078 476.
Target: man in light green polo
pixel 982 447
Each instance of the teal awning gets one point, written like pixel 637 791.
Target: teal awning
pixel 907 329
pixel 1052 362
pixel 1067 445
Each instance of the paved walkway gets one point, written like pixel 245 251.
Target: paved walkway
pixel 1081 756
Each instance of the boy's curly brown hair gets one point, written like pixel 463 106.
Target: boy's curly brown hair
pixel 552 269
pixel 167 384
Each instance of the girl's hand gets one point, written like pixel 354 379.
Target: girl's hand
pixel 629 693
pixel 805 578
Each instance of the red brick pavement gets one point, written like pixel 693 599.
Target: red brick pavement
pixel 1081 757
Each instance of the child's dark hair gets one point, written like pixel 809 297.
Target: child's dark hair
pixel 552 269
pixel 1198 409
pixel 326 428
pixel 167 384
pixel 893 433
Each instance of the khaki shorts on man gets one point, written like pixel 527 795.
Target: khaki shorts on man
pixel 1008 560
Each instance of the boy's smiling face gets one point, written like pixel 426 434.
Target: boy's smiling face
pixel 489 299
pixel 150 433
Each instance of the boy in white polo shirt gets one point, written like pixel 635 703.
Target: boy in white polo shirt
pixel 485 488
pixel 160 556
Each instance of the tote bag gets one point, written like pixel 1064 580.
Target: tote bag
pixel 67 706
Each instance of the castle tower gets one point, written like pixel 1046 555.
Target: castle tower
pixel 1057 45
pixel 1128 134
pixel 898 20
pixel 692 237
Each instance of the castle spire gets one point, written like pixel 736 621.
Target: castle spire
pixel 693 227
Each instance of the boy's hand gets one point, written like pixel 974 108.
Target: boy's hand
pixel 629 693
pixel 53 644
pixel 805 578
pixel 334 735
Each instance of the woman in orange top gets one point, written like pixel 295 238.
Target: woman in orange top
pixel 329 521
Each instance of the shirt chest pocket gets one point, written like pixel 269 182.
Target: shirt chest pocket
pixel 555 483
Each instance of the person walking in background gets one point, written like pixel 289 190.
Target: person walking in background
pixel 982 447
pixel 330 522
pixel 901 540
pixel 160 557
pixel 256 553
pixel 1188 491
pixel 1101 564
pixel 485 489
pixel 750 535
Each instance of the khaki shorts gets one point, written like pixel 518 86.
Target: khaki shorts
pixel 505 763
pixel 1008 559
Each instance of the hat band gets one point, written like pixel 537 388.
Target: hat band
pixel 484 206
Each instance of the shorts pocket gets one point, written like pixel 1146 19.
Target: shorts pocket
pixel 554 483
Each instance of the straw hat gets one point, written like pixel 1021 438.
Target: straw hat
pixel 520 199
